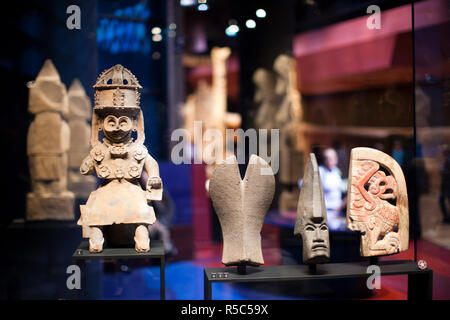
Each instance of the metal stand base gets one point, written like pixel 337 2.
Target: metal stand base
pixel 82 254
pixel 420 282
pixel 242 269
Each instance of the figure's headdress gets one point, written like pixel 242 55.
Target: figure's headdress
pixel 116 89
pixel 117 92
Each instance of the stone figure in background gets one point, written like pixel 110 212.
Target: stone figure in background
pixel 208 104
pixel 265 98
pixel 241 206
pixel 311 219
pixel 219 57
pixel 292 141
pixel 119 160
pixel 79 114
pixel 48 143
pixel 377 204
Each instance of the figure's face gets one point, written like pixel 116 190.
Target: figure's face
pixel 316 240
pixel 117 129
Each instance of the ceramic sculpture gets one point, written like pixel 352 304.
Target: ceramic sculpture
pixel 119 160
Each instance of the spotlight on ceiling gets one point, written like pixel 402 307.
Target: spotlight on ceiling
pixel 261 13
pixel 156 30
pixel 232 30
pixel 157 37
pixel 250 23
pixel 187 3
pixel 202 7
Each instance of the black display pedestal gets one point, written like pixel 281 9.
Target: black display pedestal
pixel 420 282
pixel 156 252
pixel 35 256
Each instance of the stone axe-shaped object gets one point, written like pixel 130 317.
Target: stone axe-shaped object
pixel 241 205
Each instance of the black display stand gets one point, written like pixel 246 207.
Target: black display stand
pixel 420 282
pixel 156 252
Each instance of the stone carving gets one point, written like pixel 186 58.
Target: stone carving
pixel 241 206
pixel 311 219
pixel 377 202
pixel 48 142
pixel 266 98
pixel 119 160
pixel 79 114
pixel 292 140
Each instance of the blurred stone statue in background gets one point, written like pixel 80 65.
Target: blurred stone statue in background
pixel 292 141
pixel 265 98
pixel 79 114
pixel 48 142
pixel 208 104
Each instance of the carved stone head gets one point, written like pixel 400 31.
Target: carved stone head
pixel 311 219
pixel 377 203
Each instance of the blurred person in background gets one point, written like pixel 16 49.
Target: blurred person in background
pixel 333 188
pixel 398 153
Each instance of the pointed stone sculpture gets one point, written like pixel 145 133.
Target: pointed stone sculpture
pixel 79 114
pixel 48 143
pixel 377 203
pixel 241 206
pixel 311 219
pixel 119 203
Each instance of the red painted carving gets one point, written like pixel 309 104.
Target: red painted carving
pixel 373 194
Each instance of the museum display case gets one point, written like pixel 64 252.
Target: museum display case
pixel 227 150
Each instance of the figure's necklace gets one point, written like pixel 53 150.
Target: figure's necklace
pixel 118 149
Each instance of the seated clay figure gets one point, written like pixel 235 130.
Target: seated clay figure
pixel 119 160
